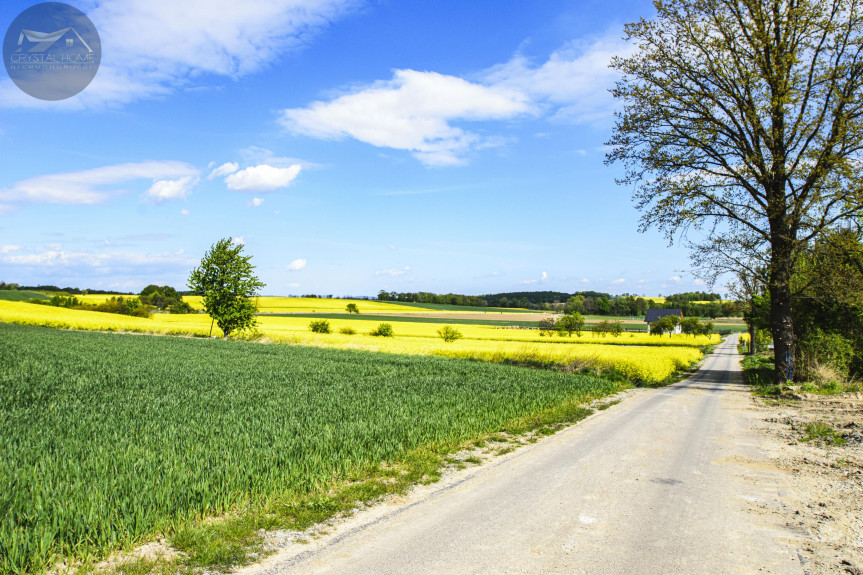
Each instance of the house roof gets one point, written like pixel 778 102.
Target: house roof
pixel 657 314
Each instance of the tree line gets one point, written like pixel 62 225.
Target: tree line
pixel 701 304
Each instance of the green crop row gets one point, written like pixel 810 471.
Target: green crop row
pixel 108 439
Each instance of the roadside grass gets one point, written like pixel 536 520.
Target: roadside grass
pixel 821 431
pixel 758 373
pixel 606 405
pixel 115 440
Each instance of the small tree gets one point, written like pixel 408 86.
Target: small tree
pixel 226 281
pixel 449 333
pixel 614 327
pixel 690 326
pixel 574 304
pixel 571 322
pixel 352 308
pixel 664 325
pixel 705 328
pixel 383 330
pixel 547 326
pixel 319 326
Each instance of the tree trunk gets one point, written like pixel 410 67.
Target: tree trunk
pixel 780 310
pixel 751 335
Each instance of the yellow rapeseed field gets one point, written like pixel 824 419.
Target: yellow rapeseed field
pixel 275 304
pixel 630 355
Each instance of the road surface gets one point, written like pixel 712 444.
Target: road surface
pixel 670 481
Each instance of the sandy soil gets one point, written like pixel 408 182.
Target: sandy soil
pixel 826 503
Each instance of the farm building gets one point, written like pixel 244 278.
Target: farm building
pixel 657 314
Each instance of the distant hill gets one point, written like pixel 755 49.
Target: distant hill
pixel 21 295
pixel 522 298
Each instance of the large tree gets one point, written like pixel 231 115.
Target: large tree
pixel 744 119
pixel 227 283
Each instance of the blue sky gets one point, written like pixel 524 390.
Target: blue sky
pixel 351 146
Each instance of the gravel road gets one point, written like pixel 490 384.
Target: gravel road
pixel 670 481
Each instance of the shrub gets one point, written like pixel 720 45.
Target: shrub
pixel 319 326
pixel 614 327
pixel 572 322
pixel 181 307
pixel 383 330
pixel 664 325
pixel 824 349
pixel 348 330
pixel 547 326
pixel 449 333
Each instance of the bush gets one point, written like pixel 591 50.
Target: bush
pixel 319 326
pixel 614 327
pixel 449 333
pixel 348 330
pixel 181 307
pixel 571 322
pixel 824 349
pixel 691 326
pixel 352 308
pixel 547 326
pixel 383 330
pixel 664 325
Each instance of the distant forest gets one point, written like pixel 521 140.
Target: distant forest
pixel 585 302
pixel 66 290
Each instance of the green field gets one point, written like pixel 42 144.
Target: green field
pixel 409 319
pixel 110 439
pixel 21 295
pixel 450 307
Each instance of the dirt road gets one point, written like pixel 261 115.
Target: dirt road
pixel 670 481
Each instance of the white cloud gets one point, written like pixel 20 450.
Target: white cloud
pixel 642 281
pixel 618 281
pixel 255 202
pixel 154 47
pixel 393 272
pixel 296 265
pixel 573 82
pixel 262 178
pixel 414 111
pixel 699 282
pixel 544 276
pixel 171 189
pixel 184 212
pixel 254 155
pixel 61 258
pixel 676 279
pixel 527 282
pixel 239 240
pixel 9 249
pixel 224 170
pixel 94 185
pixel 293 285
